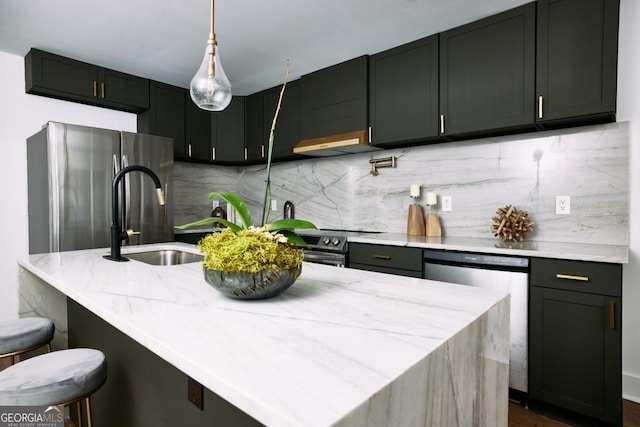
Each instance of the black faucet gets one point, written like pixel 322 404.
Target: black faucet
pixel 117 234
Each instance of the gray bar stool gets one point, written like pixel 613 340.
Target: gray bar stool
pixel 62 377
pixel 22 335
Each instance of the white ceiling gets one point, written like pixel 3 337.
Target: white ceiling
pixel 165 40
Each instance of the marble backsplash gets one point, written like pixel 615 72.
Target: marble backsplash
pixel 590 164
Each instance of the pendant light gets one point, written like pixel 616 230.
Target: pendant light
pixel 210 89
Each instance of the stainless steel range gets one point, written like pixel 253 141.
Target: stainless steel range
pixel 325 247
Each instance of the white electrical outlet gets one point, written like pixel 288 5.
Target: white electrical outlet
pixel 447 204
pixel 274 205
pixel 563 205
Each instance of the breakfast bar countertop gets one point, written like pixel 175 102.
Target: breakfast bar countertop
pixel 341 347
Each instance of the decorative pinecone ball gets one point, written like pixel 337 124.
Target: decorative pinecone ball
pixel 511 224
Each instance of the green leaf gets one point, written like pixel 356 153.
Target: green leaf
pixel 203 221
pixel 240 206
pixel 291 224
pixel 230 225
pixel 211 220
pixel 293 238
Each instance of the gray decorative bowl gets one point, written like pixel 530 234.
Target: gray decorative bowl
pixel 246 285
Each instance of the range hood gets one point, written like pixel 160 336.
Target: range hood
pixel 335 145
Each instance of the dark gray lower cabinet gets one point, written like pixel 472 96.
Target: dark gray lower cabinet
pixel 398 260
pixel 143 390
pixel 575 346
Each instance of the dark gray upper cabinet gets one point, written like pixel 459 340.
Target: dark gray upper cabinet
pixel 122 91
pixel 64 78
pixel 577 54
pixel 547 64
pixel 575 339
pixel 487 74
pixel 198 131
pixel 199 135
pixel 403 93
pixel 228 132
pixel 287 131
pixel 166 116
pixel 255 144
pixel 334 99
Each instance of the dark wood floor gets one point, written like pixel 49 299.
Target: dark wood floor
pixel 520 416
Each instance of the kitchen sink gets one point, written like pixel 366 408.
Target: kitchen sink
pixel 165 257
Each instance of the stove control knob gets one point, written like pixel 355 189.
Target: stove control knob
pixel 336 241
pixel 326 240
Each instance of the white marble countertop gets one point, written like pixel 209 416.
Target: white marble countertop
pixel 571 251
pixel 308 357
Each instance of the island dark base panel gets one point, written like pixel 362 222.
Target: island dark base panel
pixel 143 390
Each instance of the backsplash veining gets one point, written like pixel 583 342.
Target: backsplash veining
pixel 590 164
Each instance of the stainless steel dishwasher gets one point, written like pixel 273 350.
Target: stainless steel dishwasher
pixel 491 272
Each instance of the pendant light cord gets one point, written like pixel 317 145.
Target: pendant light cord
pixel 213 43
pixel 212 35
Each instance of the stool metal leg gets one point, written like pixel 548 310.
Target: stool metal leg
pixel 16 355
pixel 79 410
pixel 89 424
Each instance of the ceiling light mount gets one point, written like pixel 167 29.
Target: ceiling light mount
pixel 210 89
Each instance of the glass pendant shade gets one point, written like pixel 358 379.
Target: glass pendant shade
pixel 210 89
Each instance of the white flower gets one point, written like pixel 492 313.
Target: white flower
pixel 280 238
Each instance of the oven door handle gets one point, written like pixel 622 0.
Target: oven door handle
pixel 328 258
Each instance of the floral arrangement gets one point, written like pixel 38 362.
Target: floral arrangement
pixel 272 246
pixel 245 247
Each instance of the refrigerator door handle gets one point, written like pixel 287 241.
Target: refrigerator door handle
pixel 116 165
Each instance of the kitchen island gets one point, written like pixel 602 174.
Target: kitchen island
pixel 341 347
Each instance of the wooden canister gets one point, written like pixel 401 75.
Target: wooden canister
pixel 433 225
pixel 415 221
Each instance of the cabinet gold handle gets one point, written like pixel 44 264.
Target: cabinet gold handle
pixel 612 314
pixel 189 149
pixel 442 123
pixel 262 150
pixel 102 89
pixel 540 100
pixel 246 154
pixel 376 256
pixel 570 277
pixel 95 88
pixel 369 134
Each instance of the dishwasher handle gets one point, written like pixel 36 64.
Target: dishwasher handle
pixel 475 259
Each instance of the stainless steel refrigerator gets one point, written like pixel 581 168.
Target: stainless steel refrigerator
pixel 70 174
